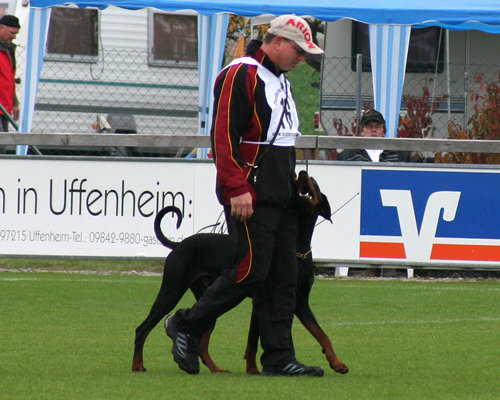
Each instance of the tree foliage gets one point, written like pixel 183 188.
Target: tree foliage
pixel 484 123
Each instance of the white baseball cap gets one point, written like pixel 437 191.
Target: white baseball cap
pixel 297 29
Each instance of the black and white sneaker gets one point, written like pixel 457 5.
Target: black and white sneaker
pixel 293 368
pixel 186 347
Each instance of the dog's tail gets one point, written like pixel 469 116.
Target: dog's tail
pixel 157 225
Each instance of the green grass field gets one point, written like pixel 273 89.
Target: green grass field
pixel 70 336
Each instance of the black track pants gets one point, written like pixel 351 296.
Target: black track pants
pixel 265 268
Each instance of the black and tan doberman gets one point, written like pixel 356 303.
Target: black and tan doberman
pixel 195 262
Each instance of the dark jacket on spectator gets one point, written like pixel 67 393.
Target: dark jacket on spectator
pixel 362 155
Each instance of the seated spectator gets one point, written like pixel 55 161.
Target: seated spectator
pixel 373 125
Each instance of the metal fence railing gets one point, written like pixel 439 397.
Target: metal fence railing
pixel 343 88
pixel 136 97
pixel 121 87
pixel 305 142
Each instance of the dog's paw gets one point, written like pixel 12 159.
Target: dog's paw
pixel 138 368
pixel 220 371
pixel 253 371
pixel 340 367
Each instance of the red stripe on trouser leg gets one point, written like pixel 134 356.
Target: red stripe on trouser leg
pixel 245 265
pixel 244 268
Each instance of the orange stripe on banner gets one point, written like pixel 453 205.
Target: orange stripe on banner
pixel 465 252
pixel 381 250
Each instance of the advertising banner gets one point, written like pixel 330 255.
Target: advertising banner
pixel 100 207
pixel 380 213
pixel 430 215
pixel 417 215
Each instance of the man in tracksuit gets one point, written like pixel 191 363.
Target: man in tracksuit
pixel 255 124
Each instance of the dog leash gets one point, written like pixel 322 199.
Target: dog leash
pixel 256 163
pixel 303 256
pixel 340 208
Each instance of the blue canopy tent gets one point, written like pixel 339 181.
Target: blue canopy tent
pixel 390 25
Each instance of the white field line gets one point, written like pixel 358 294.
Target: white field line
pixel 115 277
pixel 108 274
pixel 413 321
pixel 76 280
pixel 110 279
pixel 430 285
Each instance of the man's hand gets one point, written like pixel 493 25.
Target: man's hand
pixel 15 113
pixel 241 207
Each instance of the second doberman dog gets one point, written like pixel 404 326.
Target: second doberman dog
pixel 195 262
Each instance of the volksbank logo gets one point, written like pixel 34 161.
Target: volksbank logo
pixel 430 215
pixel 417 243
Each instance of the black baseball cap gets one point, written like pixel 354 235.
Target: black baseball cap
pixel 372 115
pixel 10 20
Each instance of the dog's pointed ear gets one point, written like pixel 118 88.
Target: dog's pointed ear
pixel 324 208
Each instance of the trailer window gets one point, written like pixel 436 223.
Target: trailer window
pixel 72 34
pixel 425 52
pixel 173 39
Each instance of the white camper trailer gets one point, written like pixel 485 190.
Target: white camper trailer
pixel 140 68
pixel 143 64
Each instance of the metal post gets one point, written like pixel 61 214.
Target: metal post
pixel 447 63
pixel 466 78
pixel 359 70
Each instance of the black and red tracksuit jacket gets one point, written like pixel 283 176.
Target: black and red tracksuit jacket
pixel 242 114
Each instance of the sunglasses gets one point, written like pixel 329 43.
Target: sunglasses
pixel 300 51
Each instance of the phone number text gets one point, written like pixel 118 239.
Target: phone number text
pixel 97 237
